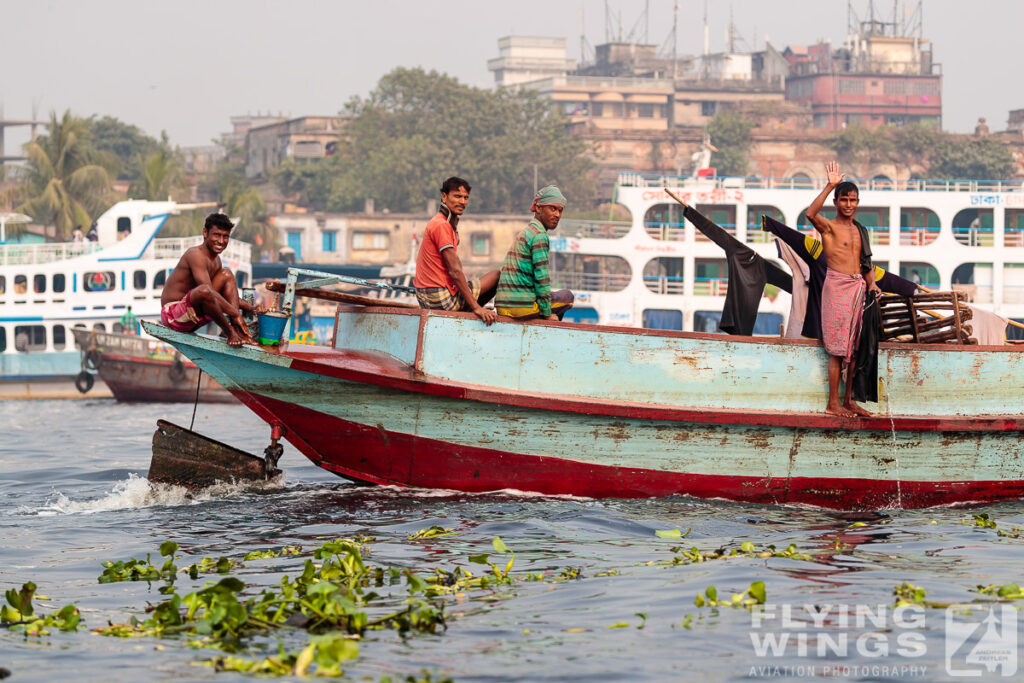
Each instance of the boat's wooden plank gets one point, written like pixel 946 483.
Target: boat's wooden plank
pixel 340 297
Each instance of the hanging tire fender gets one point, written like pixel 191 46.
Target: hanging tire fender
pixel 93 359
pixel 84 381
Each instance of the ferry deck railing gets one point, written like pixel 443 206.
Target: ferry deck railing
pixel 38 254
pixel 590 282
pixel 575 227
pixel 631 179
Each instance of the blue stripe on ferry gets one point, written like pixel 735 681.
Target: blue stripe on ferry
pixel 122 281
pixel 163 218
pixel 25 319
pixel 74 282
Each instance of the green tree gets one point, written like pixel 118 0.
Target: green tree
pixel 162 176
pixel 67 184
pixel 859 145
pixel 959 157
pixel 416 128
pixel 730 134
pixel 124 142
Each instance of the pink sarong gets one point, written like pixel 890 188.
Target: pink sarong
pixel 842 307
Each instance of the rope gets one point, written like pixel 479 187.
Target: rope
pixel 199 380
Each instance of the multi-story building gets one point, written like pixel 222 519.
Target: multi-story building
pixel 876 79
pixel 529 58
pixel 306 137
pixel 391 238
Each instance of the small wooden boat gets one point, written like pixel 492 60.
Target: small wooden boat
pixel 434 399
pixel 137 369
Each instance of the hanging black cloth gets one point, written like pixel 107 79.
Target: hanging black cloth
pixel 809 249
pixel 865 370
pixel 748 274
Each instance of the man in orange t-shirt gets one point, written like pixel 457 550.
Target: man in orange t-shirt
pixel 440 282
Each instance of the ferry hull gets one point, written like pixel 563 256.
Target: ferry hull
pixel 373 417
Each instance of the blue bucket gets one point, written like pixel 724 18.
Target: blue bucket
pixel 272 324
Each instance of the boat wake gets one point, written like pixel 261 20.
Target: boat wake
pixel 139 492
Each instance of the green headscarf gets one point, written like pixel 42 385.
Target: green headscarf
pixel 549 195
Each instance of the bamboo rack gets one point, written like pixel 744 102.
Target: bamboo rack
pixel 932 318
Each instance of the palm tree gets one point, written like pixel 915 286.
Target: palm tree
pixel 162 176
pixel 243 204
pixel 65 184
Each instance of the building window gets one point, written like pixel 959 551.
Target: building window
pixel 30 338
pixel 58 283
pixel 363 239
pixel 848 86
pixel 308 149
pixel 645 111
pixel 894 87
pixel 99 281
pixel 59 338
pixel 924 87
pixel 295 243
pixel 708 108
pixel 330 238
pixel 577 108
pixel 597 108
pixel 481 242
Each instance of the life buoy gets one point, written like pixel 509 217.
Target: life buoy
pixel 93 359
pixel 84 381
pixel 177 371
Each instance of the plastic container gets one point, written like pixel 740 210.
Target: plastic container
pixel 272 324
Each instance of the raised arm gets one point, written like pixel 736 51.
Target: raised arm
pixel 834 177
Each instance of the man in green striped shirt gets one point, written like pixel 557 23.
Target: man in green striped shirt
pixel 524 287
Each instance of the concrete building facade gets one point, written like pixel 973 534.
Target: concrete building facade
pixel 306 137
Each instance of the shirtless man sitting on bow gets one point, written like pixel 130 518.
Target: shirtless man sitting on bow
pixel 200 289
pixel 850 273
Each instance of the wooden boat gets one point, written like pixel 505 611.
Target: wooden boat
pixel 434 399
pixel 137 369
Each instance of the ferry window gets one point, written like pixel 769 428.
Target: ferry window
pixel 99 281
pixel 30 338
pixel 59 338
pixel 20 284
pixel 664 275
pixel 3 284
pixel 124 225
pixel 3 339
pixel 481 244
pixel 139 279
pixel 589 272
pixel 918 226
pixel 159 279
pixel 117 328
pixel 585 315
pixel 973 227
pixel 665 222
pixel 920 273
pixel 362 239
pixel 100 327
pixel 663 319
pixel 59 282
pixel 39 284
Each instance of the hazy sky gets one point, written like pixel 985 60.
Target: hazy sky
pixel 186 66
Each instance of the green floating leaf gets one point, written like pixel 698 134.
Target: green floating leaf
pixel 670 533
pixel 747 547
pixel 757 591
pixel 499 545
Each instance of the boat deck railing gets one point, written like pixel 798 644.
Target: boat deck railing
pixel 631 179
pixel 174 247
pixel 37 254
pixel 167 247
pixel 575 227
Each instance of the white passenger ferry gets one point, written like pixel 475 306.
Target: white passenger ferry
pixel 656 270
pixel 46 289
